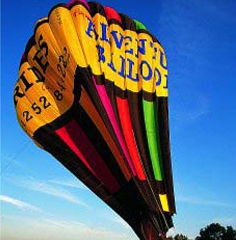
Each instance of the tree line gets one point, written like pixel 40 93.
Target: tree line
pixel 214 231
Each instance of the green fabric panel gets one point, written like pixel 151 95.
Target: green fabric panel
pixel 139 25
pixel 151 129
pixel 153 138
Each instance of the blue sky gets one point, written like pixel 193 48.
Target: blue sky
pixel 42 200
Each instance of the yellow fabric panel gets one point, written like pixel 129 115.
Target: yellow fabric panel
pixel 98 20
pixel 161 89
pixel 39 105
pixel 56 52
pixel 62 26
pixel 81 18
pixel 117 53
pixel 54 80
pixel 44 30
pixel 62 65
pixel 50 74
pixel 164 202
pixel 131 49
pixel 146 64
pixel 23 115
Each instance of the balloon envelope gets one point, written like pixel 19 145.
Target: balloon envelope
pixel 93 91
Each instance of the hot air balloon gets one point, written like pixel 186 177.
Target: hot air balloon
pixel 93 92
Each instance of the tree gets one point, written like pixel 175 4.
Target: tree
pixel 180 237
pixel 215 231
pixel 230 234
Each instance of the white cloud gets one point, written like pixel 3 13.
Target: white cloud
pixel 47 188
pixel 64 224
pixel 171 232
pixel 51 228
pixel 19 204
pixel 72 183
pixel 121 222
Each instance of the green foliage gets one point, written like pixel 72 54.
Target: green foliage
pixel 230 233
pixel 215 231
pixel 178 237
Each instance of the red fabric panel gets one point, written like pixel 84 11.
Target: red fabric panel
pixel 78 142
pixel 112 14
pixel 124 115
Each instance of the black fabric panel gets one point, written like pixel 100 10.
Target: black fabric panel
pixel 110 88
pixel 144 31
pixel 23 60
pixel 127 22
pixel 150 97
pixel 99 79
pixel 120 93
pixel 29 45
pixel 38 24
pixel 101 146
pixel 137 119
pixel 163 123
pixel 158 185
pixel 96 8
pixel 153 201
pixel 114 21
pixel 140 210
pixel 154 39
